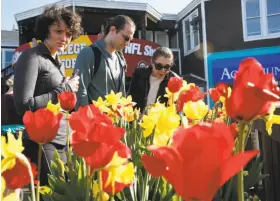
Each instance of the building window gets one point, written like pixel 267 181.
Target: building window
pixel 161 38
pixel 149 35
pixel 261 19
pixel 190 33
pixel 6 57
pixel 174 41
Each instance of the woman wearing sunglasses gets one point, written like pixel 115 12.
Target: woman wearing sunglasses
pixel 148 84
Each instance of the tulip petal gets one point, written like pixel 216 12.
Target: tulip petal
pixel 154 165
pixel 83 147
pixel 101 156
pixel 234 164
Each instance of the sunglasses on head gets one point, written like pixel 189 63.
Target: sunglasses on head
pixel 159 66
pixel 126 38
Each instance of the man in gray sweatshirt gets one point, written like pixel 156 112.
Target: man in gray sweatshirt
pixel 101 66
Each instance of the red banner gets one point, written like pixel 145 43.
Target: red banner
pixel 137 54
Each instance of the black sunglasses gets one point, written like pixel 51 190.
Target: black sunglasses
pixel 159 66
pixel 126 38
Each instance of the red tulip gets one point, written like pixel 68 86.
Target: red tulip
pixel 193 94
pixel 18 176
pixel 100 156
pixel 222 89
pixel 67 100
pixel 253 91
pixel 103 155
pixel 234 129
pixel 94 135
pixel 174 84
pixel 42 125
pixel 199 162
pixel 214 94
pixel 81 119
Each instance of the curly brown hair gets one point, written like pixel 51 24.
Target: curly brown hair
pixel 52 15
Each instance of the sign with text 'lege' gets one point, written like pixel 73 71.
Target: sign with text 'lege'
pixel 137 54
pixel 223 65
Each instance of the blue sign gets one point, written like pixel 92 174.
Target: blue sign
pixel 223 65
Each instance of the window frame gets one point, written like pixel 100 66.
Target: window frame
pixel 263 23
pixel 151 39
pixel 192 45
pixel 3 56
pixel 166 37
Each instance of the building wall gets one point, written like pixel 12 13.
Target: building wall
pixel 224 27
pixel 191 63
pixel 9 41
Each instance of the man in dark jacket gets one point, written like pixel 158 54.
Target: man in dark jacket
pixel 149 84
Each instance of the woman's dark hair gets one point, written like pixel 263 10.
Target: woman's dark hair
pixel 163 52
pixel 119 22
pixel 54 14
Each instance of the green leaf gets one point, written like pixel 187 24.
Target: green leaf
pixel 254 174
pixel 47 197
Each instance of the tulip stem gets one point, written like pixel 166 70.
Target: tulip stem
pixel 240 184
pixel 100 184
pixel 39 171
pixel 89 178
pixel 69 159
pixel 145 193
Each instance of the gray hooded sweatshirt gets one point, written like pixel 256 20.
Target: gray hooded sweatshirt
pixel 110 75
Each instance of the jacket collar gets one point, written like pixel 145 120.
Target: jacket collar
pixel 42 48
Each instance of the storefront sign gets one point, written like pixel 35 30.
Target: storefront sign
pixel 137 54
pixel 223 65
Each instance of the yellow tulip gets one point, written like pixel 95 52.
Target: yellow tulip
pixel 195 110
pixel 128 113
pixel 127 101
pixel 148 124
pixel 10 150
pixel 96 191
pixel 119 171
pixel 167 123
pixel 270 120
pixel 102 105
pixel 55 108
pixel 113 99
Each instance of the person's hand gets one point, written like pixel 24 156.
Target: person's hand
pixel 73 82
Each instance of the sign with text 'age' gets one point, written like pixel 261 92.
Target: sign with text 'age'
pixel 137 54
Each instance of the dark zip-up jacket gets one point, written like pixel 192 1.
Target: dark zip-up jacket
pixel 140 86
pixel 37 80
